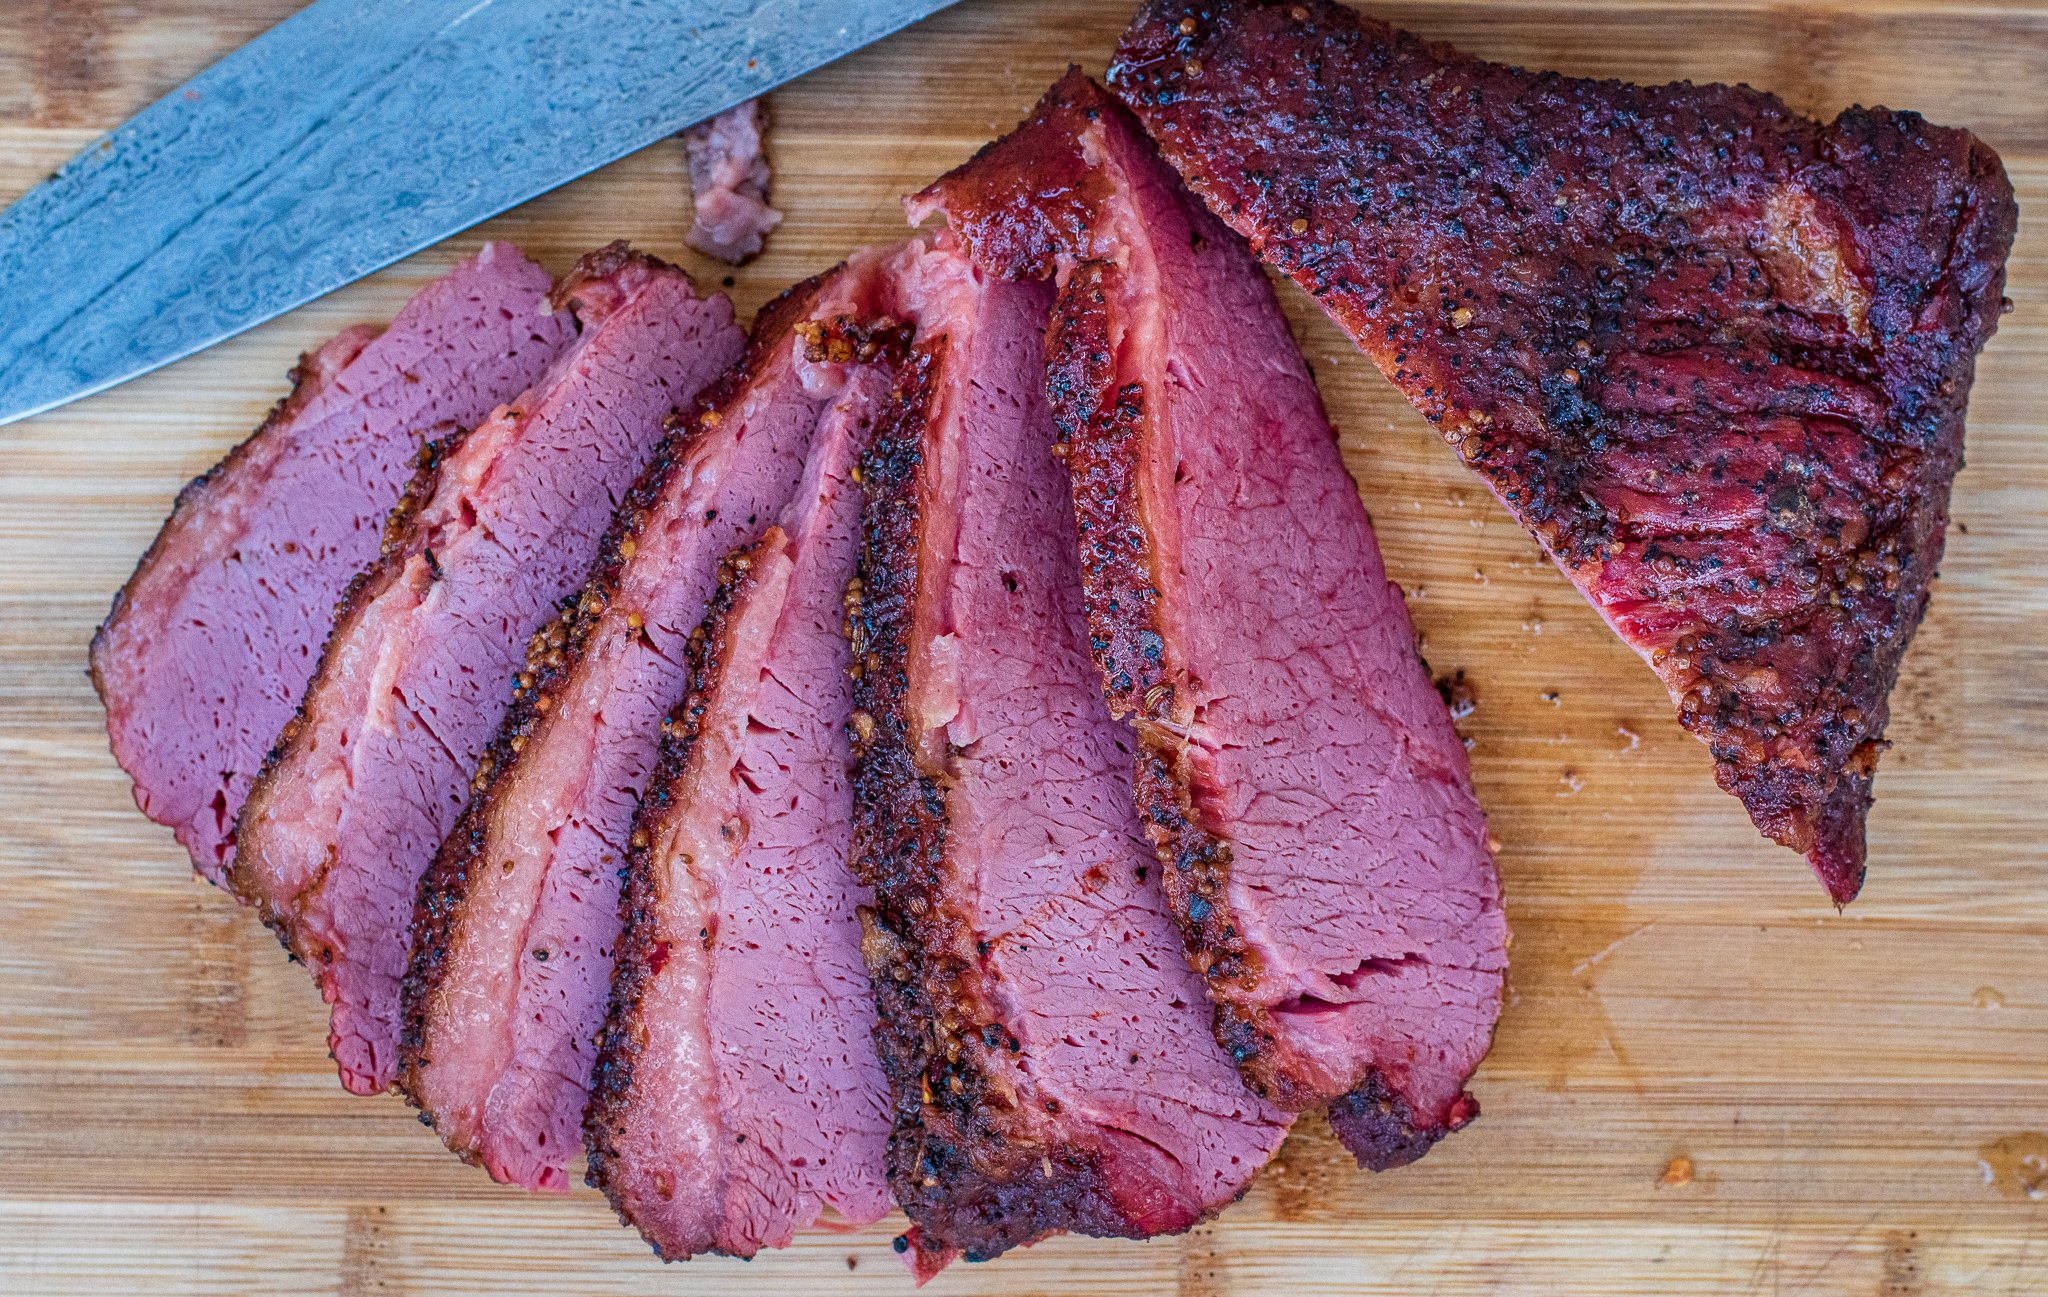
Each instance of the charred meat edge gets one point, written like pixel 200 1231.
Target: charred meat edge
pixel 640 950
pixel 1096 423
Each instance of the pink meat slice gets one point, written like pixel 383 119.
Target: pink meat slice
pixel 729 180
pixel 1319 841
pixel 1046 1046
pixel 209 646
pixel 498 527
pixel 739 1095
pixel 519 916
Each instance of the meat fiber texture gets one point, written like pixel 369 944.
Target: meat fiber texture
pixel 1713 354
pixel 729 180
pixel 210 644
pixel 738 1095
pixel 518 918
pixel 1319 841
pixel 498 527
pixel 1046 1046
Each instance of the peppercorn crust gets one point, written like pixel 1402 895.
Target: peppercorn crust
pixel 639 956
pixel 1377 1126
pixel 977 1171
pixel 552 656
pixel 1714 355
pixel 1099 425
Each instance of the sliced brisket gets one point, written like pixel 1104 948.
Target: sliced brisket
pixel 729 181
pixel 738 1094
pixel 512 958
pixel 1045 1044
pixel 370 776
pixel 210 644
pixel 1713 354
pixel 1320 844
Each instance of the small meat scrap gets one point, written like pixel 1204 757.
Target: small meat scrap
pixel 1714 355
pixel 729 180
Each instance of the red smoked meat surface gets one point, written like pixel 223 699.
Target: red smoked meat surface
pixel 1713 354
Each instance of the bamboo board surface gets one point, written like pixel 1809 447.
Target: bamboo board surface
pixel 1853 1091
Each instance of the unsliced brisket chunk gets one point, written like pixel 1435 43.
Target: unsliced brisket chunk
pixel 513 940
pixel 370 776
pixel 210 644
pixel 1320 844
pixel 738 1094
pixel 1713 354
pixel 729 179
pixel 1046 1046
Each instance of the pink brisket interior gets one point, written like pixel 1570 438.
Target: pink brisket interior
pixel 1043 838
pixel 210 649
pixel 403 711
pixel 511 1029
pixel 758 1097
pixel 1321 752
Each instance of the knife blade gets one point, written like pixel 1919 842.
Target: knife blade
pixel 350 135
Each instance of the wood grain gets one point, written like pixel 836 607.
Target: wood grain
pixel 169 1122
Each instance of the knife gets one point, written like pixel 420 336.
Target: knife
pixel 350 135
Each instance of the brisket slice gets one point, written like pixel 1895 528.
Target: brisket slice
pixel 1044 1042
pixel 370 776
pixel 513 938
pixel 1713 354
pixel 1320 844
pixel 729 180
pixel 210 644
pixel 737 1094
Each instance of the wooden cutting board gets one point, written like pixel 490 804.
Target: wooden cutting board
pixel 1852 1093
